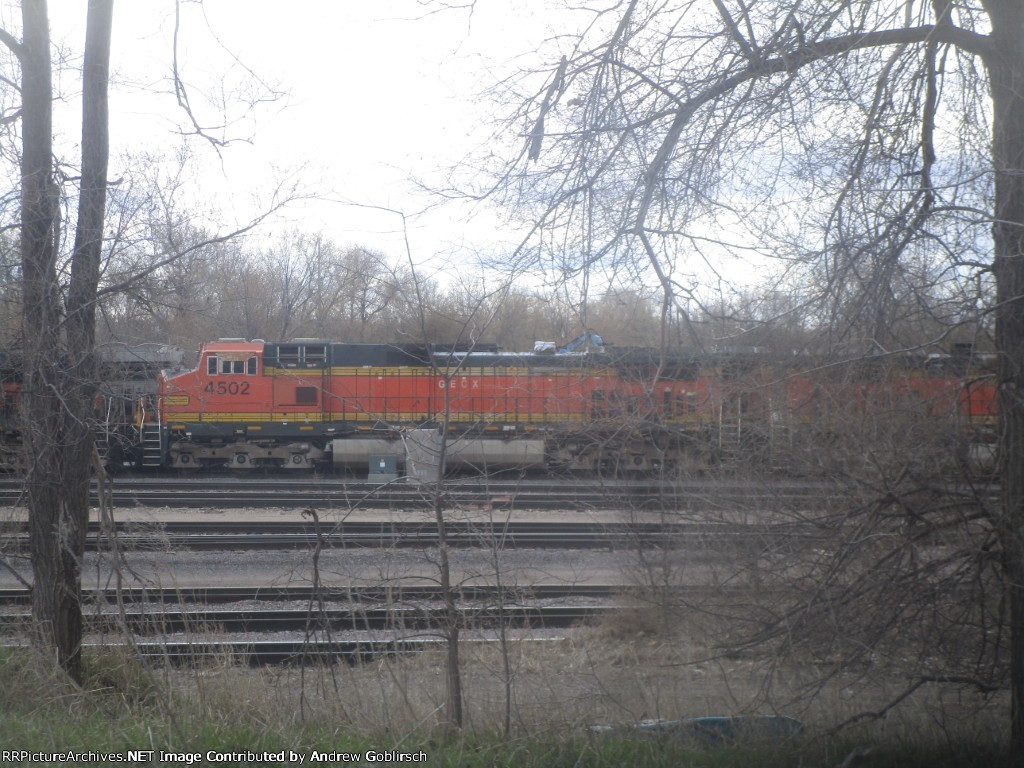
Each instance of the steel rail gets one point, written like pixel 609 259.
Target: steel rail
pixel 336 619
pixel 297 651
pixel 277 535
pixel 333 494
pixel 355 594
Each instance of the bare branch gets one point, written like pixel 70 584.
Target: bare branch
pixel 181 92
pixel 13 43
pixel 553 92
pixel 734 31
pixel 979 685
pixel 799 57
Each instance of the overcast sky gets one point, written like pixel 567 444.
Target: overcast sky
pixel 378 93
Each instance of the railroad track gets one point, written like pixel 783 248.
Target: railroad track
pixel 289 651
pixel 356 594
pixel 322 493
pixel 353 609
pixel 374 622
pixel 252 535
pixel 405 617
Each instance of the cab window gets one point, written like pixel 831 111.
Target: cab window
pixel 223 367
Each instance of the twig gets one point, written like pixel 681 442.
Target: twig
pixel 980 685
pixel 104 495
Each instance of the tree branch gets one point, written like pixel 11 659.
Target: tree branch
pixel 181 93
pixel 12 42
pixel 979 685
pixel 796 59
pixel 734 31
pixel 553 92
pixel 177 255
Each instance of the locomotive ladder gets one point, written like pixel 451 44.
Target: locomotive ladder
pixel 781 442
pixel 152 445
pixel 151 438
pixel 102 433
pixel 730 427
pixel 730 436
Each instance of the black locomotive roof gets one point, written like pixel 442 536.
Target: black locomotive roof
pixel 317 353
pixel 627 361
pixel 151 355
pixel 610 358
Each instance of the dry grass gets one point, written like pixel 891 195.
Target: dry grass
pixel 632 666
pixel 593 676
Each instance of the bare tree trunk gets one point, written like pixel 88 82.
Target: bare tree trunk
pixel 1006 69
pixel 59 379
pixel 453 677
pixel 52 606
pixel 82 376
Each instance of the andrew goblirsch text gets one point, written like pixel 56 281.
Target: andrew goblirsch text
pixel 245 757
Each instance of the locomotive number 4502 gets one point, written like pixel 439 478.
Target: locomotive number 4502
pixel 227 388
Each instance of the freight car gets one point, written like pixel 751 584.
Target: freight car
pixel 382 407
pixel 129 382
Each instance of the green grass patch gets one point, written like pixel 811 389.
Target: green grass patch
pixel 125 707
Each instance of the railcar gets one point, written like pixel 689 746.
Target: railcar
pixel 939 409
pixel 128 391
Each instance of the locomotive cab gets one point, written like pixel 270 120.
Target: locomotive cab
pixel 228 411
pixel 225 374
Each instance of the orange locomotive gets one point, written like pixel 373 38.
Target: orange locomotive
pixel 311 402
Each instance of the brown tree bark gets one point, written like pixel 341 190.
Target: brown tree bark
pixel 52 605
pixel 59 374
pixel 1006 75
